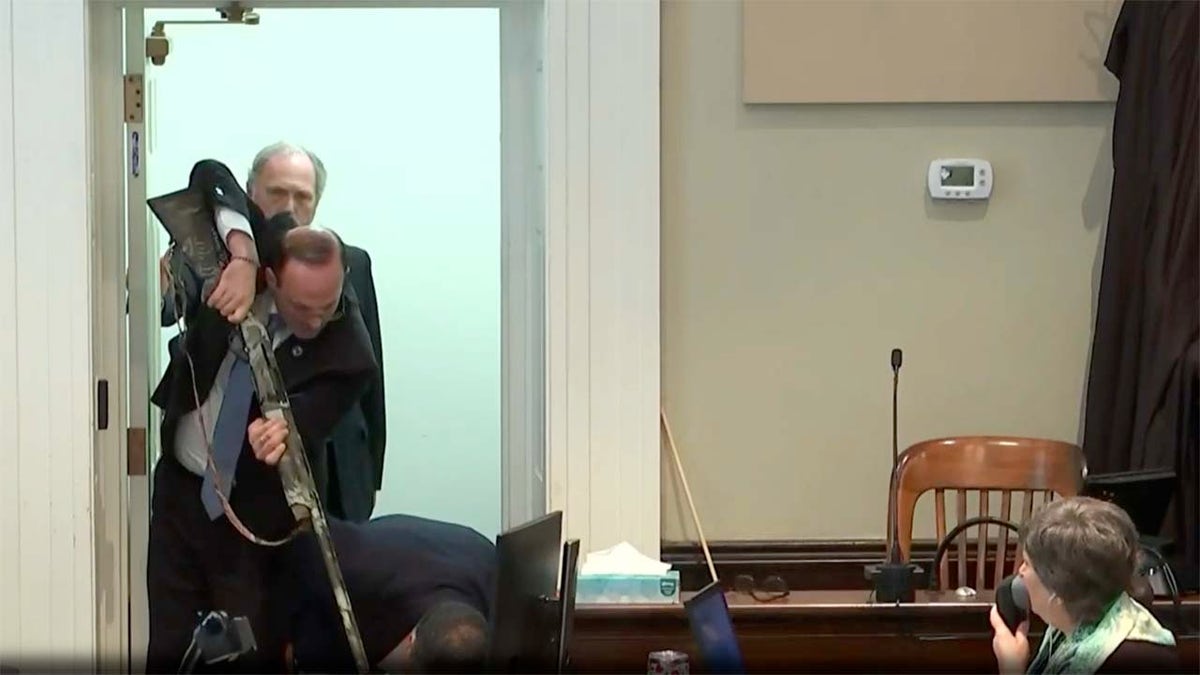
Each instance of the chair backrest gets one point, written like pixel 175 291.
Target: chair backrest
pixel 1037 470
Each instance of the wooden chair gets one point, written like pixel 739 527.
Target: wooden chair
pixel 980 465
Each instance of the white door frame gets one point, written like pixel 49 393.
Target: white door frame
pixel 522 373
pixel 144 335
pixel 109 298
pixel 591 211
pixel 522 265
pixel 602 280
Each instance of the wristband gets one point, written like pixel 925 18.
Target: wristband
pixel 243 258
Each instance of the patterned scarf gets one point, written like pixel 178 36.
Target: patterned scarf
pixel 1086 649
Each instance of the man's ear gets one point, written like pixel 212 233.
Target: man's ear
pixel 272 280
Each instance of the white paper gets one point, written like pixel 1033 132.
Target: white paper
pixel 622 559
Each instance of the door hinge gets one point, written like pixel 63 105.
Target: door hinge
pixel 135 99
pixel 135 443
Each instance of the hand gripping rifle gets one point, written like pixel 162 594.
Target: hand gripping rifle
pixel 189 221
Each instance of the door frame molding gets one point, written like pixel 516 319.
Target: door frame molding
pixel 110 293
pixel 602 256
pixel 522 265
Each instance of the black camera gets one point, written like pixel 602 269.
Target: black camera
pixel 218 638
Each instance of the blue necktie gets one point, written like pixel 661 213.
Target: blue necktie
pixel 229 433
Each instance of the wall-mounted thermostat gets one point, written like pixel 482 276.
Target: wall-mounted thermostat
pixel 960 179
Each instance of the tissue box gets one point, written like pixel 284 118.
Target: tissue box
pixel 654 589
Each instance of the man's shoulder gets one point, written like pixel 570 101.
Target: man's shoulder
pixel 409 521
pixel 356 254
pixel 358 267
pixel 432 528
pixel 358 261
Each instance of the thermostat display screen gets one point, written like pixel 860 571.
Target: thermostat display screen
pixel 958 176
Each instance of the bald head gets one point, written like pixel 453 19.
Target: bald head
pixel 307 280
pixel 312 245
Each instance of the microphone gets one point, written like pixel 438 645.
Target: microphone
pixel 893 580
pixel 893 552
pixel 1012 602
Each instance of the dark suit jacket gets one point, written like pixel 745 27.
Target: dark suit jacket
pixel 360 437
pixel 396 567
pixel 323 376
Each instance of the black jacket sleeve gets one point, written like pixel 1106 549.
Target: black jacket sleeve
pixel 373 400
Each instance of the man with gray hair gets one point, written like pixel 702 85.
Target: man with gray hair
pixel 286 177
pixel 289 178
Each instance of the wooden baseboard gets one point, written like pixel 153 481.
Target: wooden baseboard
pixel 806 565
pixel 827 564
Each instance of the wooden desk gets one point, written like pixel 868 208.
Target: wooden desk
pixel 824 631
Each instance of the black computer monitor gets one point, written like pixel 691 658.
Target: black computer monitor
pixel 1144 494
pixel 566 602
pixel 525 620
pixel 712 630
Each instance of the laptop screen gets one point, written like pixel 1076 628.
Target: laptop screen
pixel 712 630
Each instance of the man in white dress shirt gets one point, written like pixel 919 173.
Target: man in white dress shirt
pixel 219 456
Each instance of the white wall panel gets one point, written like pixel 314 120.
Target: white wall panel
pixel 46 413
pixel 602 66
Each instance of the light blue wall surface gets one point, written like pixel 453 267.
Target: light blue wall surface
pixel 403 106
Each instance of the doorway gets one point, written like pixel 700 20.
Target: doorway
pixel 413 159
pixel 423 140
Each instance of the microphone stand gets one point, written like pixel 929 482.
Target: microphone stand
pixel 893 580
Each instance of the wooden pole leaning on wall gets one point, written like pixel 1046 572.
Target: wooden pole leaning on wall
pixel 687 491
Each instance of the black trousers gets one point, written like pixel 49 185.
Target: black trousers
pixel 197 565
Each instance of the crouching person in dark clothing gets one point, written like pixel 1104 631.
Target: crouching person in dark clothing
pixel 421 590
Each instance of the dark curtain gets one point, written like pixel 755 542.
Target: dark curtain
pixel 1142 394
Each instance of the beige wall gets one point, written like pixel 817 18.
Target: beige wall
pixel 799 246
